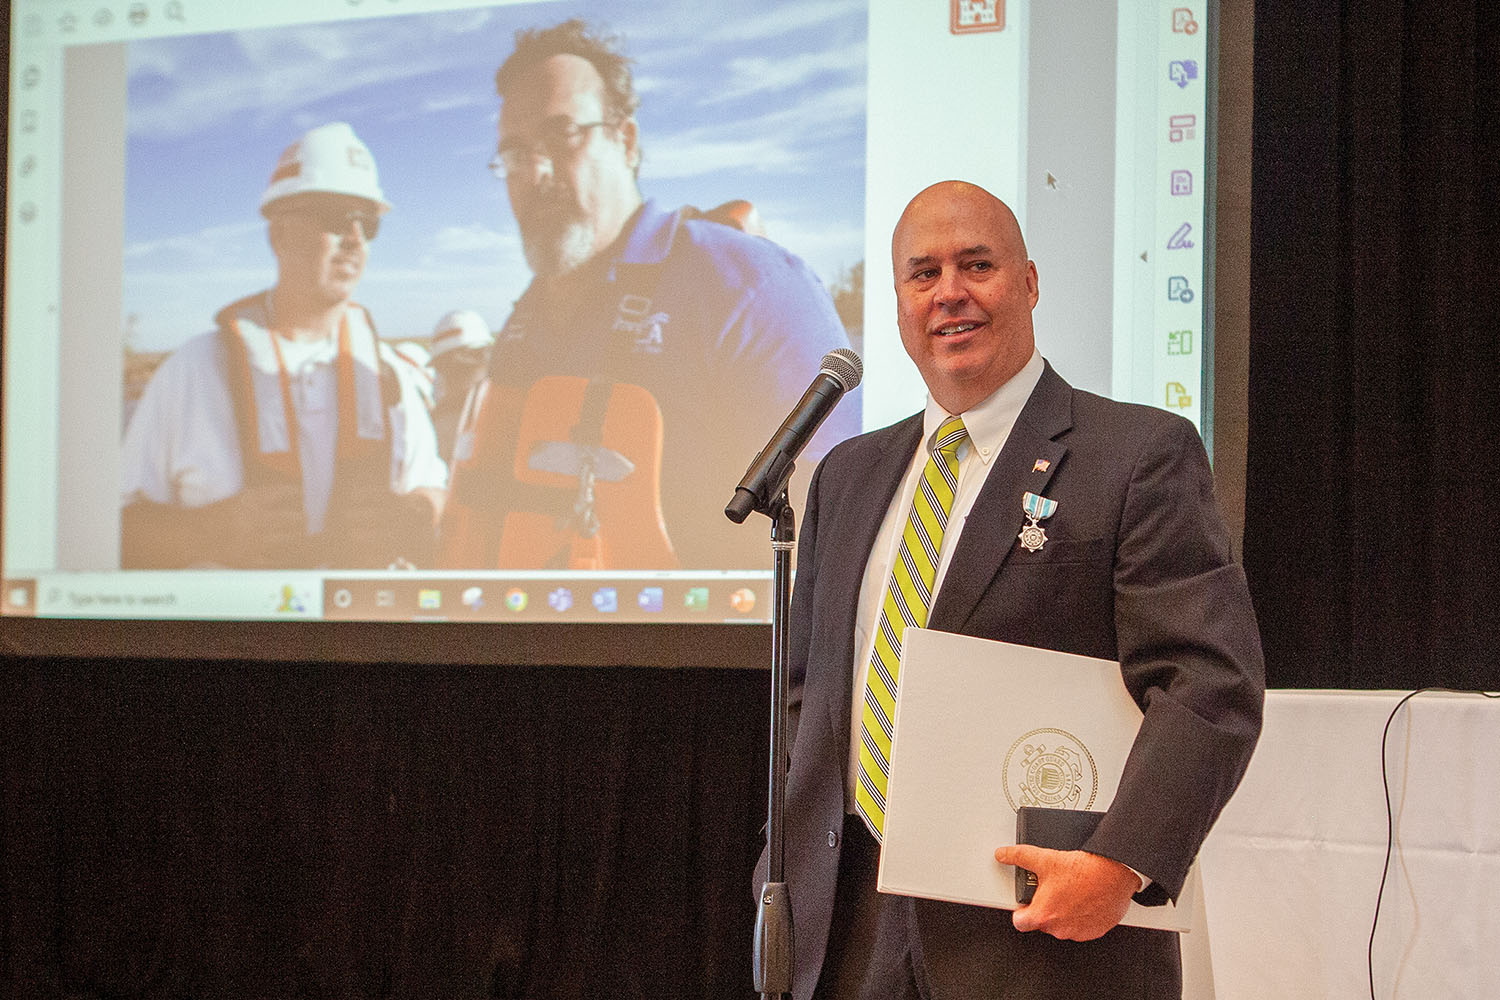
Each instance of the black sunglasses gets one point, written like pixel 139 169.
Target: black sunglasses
pixel 336 220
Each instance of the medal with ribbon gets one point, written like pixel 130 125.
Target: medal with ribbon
pixel 1037 508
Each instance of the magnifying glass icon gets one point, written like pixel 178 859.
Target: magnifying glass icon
pixel 173 10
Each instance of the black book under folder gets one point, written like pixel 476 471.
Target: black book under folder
pixel 1063 830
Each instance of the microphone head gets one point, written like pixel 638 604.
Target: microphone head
pixel 844 365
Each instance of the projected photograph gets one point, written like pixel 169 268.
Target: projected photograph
pixel 384 308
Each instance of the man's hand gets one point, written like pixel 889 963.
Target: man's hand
pixel 261 527
pixel 1079 896
pixel 383 529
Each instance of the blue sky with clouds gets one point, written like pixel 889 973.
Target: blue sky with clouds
pixel 763 101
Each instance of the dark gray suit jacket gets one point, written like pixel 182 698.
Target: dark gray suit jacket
pixel 1137 567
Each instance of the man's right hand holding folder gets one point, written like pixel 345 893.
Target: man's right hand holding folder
pixel 1079 896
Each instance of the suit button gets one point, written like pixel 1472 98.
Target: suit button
pixel 833 838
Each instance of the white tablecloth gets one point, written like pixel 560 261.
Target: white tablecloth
pixel 1292 868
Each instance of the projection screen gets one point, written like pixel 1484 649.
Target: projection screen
pixel 502 449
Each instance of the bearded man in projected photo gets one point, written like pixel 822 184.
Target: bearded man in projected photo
pixel 650 357
pixel 291 435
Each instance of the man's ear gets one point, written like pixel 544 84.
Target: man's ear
pixel 274 229
pixel 630 134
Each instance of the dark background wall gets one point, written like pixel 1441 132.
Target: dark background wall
pixel 184 829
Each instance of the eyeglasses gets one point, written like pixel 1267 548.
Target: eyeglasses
pixel 561 139
pixel 335 219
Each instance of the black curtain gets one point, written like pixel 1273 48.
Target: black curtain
pixel 200 830
pixel 1372 534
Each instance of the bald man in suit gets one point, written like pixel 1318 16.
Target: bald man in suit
pixel 1136 567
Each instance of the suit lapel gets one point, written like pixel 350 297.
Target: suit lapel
pixel 1025 464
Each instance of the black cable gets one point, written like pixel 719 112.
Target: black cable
pixel 1390 828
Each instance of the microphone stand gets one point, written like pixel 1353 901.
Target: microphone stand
pixel 773 917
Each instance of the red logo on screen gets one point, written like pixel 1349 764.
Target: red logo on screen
pixel 976 15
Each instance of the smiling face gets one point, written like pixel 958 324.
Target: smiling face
pixel 964 292
pixel 321 246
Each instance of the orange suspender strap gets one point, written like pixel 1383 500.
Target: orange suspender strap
pixel 261 466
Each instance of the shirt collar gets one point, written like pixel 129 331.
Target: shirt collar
pixel 989 423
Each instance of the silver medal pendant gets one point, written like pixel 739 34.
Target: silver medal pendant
pixel 1035 508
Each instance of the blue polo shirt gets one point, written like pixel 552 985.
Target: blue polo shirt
pixel 726 331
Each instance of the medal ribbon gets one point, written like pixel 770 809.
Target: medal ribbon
pixel 1037 507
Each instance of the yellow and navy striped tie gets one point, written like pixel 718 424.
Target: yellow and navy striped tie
pixel 907 598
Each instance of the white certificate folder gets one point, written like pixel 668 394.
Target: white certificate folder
pixel 984 727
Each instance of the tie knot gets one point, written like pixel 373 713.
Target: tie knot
pixel 950 436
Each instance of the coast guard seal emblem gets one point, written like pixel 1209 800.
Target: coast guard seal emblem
pixel 1049 767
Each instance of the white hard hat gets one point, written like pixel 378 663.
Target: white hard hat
pixel 460 328
pixel 328 159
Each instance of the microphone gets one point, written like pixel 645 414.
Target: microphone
pixel 767 475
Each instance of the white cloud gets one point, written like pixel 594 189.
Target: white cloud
pixel 212 243
pixel 762 74
pixel 471 238
pixel 274 72
pixel 815 115
pixel 749 23
pixel 802 18
pixel 452 102
pixel 699 152
pixel 778 140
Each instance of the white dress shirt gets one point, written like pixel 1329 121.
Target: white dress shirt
pixel 989 425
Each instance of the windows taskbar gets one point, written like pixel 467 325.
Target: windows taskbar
pixel 599 597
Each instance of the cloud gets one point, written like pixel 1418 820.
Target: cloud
pixel 689 47
pixel 693 154
pixel 706 23
pixel 212 243
pixel 455 101
pixel 833 110
pixel 762 74
pixel 785 139
pixel 467 239
pixel 181 86
pixel 801 18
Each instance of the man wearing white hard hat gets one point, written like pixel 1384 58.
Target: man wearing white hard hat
pixel 290 435
pixel 461 344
